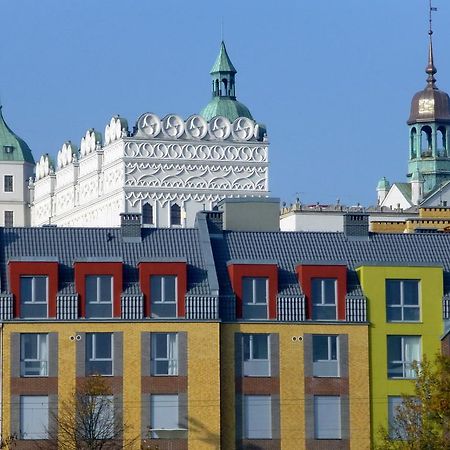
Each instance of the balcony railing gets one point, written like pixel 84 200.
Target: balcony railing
pixel 67 307
pixel 132 306
pixel 355 309
pixel 202 307
pixel 446 307
pixel 6 306
pixel 291 309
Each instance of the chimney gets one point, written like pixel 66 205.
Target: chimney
pixel 130 224
pixel 356 225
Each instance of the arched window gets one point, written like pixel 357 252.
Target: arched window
pixel 426 143
pixel 441 141
pixel 217 88
pixel 175 215
pixel 147 214
pixel 412 144
pixel 225 86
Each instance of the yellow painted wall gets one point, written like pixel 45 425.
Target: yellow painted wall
pixel 430 327
pixel 292 393
pixel 203 372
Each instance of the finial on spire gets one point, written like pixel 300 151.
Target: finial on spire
pixel 431 69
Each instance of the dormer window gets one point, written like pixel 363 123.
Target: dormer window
pixel 8 148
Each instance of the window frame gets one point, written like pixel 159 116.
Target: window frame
pixel 93 358
pixel 8 218
pixel 8 182
pixel 329 355
pixel 402 306
pixel 175 215
pixel 33 294
pixel 404 363
pixel 254 296
pixel 320 434
pixel 147 213
pixel 249 401
pixel 155 359
pixel 176 406
pixel 322 303
pixel 98 300
pixel 24 360
pixel 248 339
pixel 163 279
pixel 43 433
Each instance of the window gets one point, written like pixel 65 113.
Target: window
pixel 147 214
pixel 393 404
pixel 254 297
pixel 163 290
pixel 33 297
pixel 9 218
pixel 8 183
pixel 327 417
pixel 33 355
pixel 33 417
pixel 175 215
pixel 402 351
pixel 256 355
pixel 257 417
pixel 324 298
pixel 164 416
pixel 325 356
pixel 402 300
pixel 102 407
pixel 99 295
pixel 164 353
pixel 99 353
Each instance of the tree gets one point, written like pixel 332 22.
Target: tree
pixel 88 421
pixel 8 442
pixel 422 421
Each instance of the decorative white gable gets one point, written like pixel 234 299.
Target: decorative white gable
pixel 396 198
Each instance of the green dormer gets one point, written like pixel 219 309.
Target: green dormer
pixel 223 102
pixel 12 147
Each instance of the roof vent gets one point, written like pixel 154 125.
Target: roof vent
pixel 130 224
pixel 356 225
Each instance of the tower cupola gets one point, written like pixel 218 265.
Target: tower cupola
pixel 223 102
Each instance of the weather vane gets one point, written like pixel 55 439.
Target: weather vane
pixel 432 8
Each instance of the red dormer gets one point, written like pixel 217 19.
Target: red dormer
pixel 164 284
pixel 34 285
pixel 325 288
pixel 255 285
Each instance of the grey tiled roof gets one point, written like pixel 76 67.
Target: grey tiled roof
pixel 292 248
pixel 69 244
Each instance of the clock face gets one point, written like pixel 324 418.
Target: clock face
pixel 196 127
pixel 173 126
pixel 219 128
pixel 243 129
pixel 150 124
pixel 426 105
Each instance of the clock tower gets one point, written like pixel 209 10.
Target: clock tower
pixel 429 131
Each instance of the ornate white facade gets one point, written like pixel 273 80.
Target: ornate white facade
pixel 175 167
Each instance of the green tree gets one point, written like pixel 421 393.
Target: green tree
pixel 422 421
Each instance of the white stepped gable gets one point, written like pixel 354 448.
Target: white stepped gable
pixel 165 161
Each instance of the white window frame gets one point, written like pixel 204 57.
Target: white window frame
pixel 98 299
pixel 37 416
pixel 254 366
pixel 407 371
pixel 172 224
pixel 316 304
pixel 11 177
pixel 103 401
pixel 319 402
pixel 253 301
pixel 93 357
pixel 165 402
pixel 402 306
pixel 173 363
pixel 33 300
pixel 317 363
pixel 43 370
pixel 163 289
pixel 143 203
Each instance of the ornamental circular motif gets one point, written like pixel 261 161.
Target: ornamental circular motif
pixel 219 128
pixel 243 129
pixel 173 126
pixel 196 127
pixel 149 124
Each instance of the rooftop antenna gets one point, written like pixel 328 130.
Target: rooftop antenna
pixel 221 28
pixel 431 69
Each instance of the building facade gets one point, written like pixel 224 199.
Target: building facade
pixel 166 168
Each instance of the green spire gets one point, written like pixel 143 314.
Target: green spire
pixel 223 102
pixel 12 147
pixel 223 62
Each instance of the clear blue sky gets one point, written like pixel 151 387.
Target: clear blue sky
pixel 332 80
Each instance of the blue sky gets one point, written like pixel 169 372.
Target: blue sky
pixel 332 80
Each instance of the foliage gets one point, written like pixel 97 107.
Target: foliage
pixel 422 422
pixel 88 421
pixel 8 442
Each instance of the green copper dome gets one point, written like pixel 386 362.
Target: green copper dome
pixel 226 107
pixel 383 184
pixel 223 102
pixel 12 147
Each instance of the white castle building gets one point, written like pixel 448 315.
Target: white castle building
pixel 167 168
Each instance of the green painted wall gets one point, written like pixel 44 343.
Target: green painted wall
pixel 430 328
